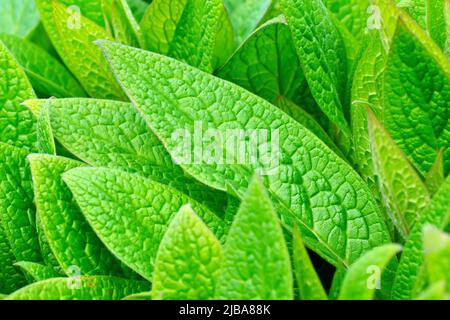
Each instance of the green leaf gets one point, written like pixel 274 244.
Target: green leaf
pixel 45 142
pixel 17 211
pixel 139 296
pixel 73 35
pixel 437 255
pixel 133 214
pixel 416 94
pixel 436 25
pixel 82 288
pixel 188 260
pixel 121 22
pixel 17 124
pixel 312 187
pixel 435 291
pixel 363 277
pixel 246 15
pixel 19 17
pixel 436 213
pixel 11 278
pixel 308 282
pixel 113 134
pixel 416 9
pixel 224 46
pixel 436 177
pixel 404 193
pixel 256 262
pixel 71 239
pixel 138 7
pixel 47 75
pixel 37 271
pixel 322 55
pixel 183 29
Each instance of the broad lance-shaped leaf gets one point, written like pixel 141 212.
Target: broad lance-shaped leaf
pixel 17 211
pixel 311 185
pixel 353 13
pixel 416 94
pixel 256 263
pixel 113 134
pixel 17 124
pixel 322 55
pixel 80 288
pixel 308 282
pixel 183 29
pixel 37 271
pixel 404 193
pixel 11 278
pixel 19 17
pixel 246 15
pixel 133 213
pixel 363 277
pixel 71 239
pixel 436 213
pixel 188 260
pixel 72 35
pixel 47 75
pixel 437 255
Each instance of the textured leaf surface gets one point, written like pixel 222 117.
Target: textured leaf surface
pixel 256 260
pixel 19 17
pixel 436 24
pixel 188 260
pixel 71 239
pixel 47 75
pixel 17 123
pixel 45 141
pixel 322 55
pixel 88 288
pixel 314 187
pixel 357 284
pixel 16 203
pixel 122 23
pixel 352 13
pixel 437 255
pixel 308 282
pixel 133 212
pixel 185 30
pixel 416 95
pixel 404 193
pixel 11 278
pixel 73 37
pixel 436 213
pixel 37 271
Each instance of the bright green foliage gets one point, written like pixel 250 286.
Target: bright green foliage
pixel 45 141
pixel 83 288
pixel 138 8
pixel 308 282
pixel 416 95
pixel 46 74
pixel 188 260
pixel 37 271
pixel 436 24
pixel 306 190
pixel 256 261
pixel 364 276
pixel 322 55
pixel 353 13
pixel 434 292
pixel 417 9
pixel 437 255
pixel 134 212
pixel 17 123
pixel 122 23
pixel 18 18
pixel 11 278
pixel 436 177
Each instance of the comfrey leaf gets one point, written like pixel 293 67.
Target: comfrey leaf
pixel 37 271
pixel 11 278
pixel 309 183
pixel 134 212
pixel 256 260
pixel 188 260
pixel 121 22
pixel 80 288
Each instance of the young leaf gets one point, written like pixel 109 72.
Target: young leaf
pixel 188 260
pixel 134 212
pixel 416 94
pixel 437 255
pixel 72 35
pixel 363 277
pixel 185 30
pixel 312 187
pixel 246 15
pixel 37 271
pixel 17 211
pixel 404 193
pixel 47 75
pixel 45 142
pixel 11 278
pixel 322 55
pixel 82 288
pixel 69 235
pixel 308 282
pixel 256 260
pixel 436 213
pixel 19 17
pixel 138 7
pixel 17 124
